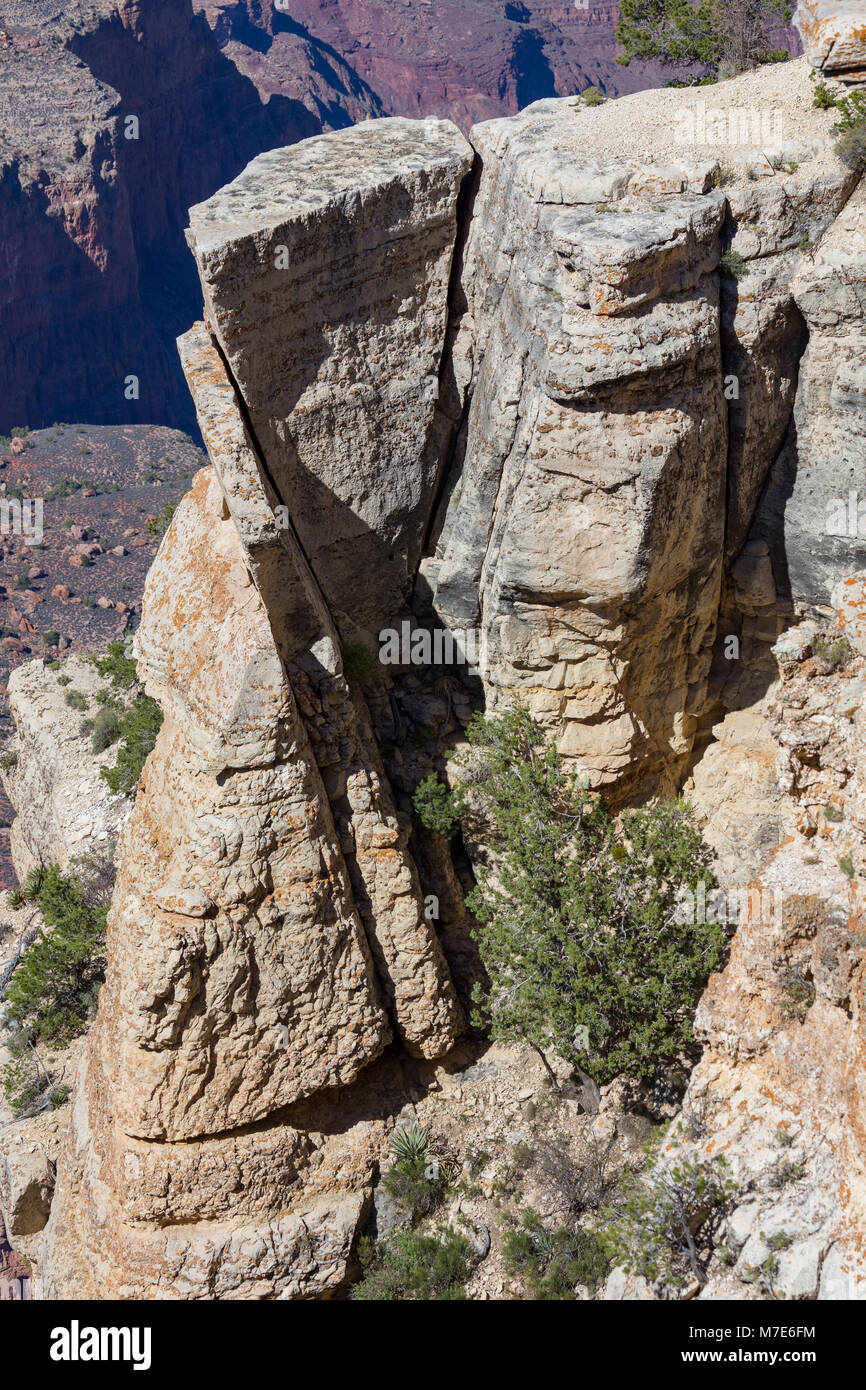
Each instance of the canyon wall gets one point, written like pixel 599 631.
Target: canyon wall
pixel 539 387
pixel 117 115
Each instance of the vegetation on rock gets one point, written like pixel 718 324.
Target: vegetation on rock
pixel 578 926
pixel 410 1265
pixel 715 38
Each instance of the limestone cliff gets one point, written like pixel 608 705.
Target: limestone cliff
pixel 540 387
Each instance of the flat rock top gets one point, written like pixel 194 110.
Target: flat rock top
pixel 736 124
pixel 289 184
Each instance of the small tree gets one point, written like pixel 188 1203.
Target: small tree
pixel 705 36
pixel 53 990
pixel 578 923
pixel 667 1222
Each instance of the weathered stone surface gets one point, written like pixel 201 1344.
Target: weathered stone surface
pixel 601 474
pixel 813 513
pixel 349 239
pixel 64 808
pixel 233 916
pixel 26 1185
pixel 780 1079
pixel 834 36
pixel 412 971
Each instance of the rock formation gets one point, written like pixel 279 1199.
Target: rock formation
pixel 779 1086
pixel 832 32
pixel 542 389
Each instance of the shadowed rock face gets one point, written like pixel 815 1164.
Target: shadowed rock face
pixel 97 217
pixel 468 60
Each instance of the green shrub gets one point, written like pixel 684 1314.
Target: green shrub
pixel 666 1223
pixel 76 700
pixel 415 1185
pixel 833 813
pixel 410 1266
pixel 133 721
pixel 54 987
pixel 835 655
pixel 106 728
pixel 411 1143
pixel 117 666
pixel 551 1263
pixel 24 1080
pixel 359 663
pixel 733 264
pixel 849 133
pixel 139 724
pixel 8 760
pixel 23 1084
pixel 437 808
pixel 798 996
pixel 158 524
pixel 580 929
pixel 51 638
pixel 685 36
pixel 822 97
pixel 852 108
pixel 592 96
pixel 723 176
pixel 63 679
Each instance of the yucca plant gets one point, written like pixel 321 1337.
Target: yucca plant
pixel 410 1143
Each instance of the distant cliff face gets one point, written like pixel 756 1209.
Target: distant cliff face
pixel 119 115
pixel 115 119
pixel 469 60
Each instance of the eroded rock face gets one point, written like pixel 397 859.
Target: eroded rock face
pixel 779 1087
pixel 349 238
pixel 619 424
pixel 813 513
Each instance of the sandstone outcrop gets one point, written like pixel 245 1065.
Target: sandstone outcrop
pixel 812 514
pixel 601 478
pixel 834 37
pixel 779 1087
pixel 351 236
pixel 541 404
